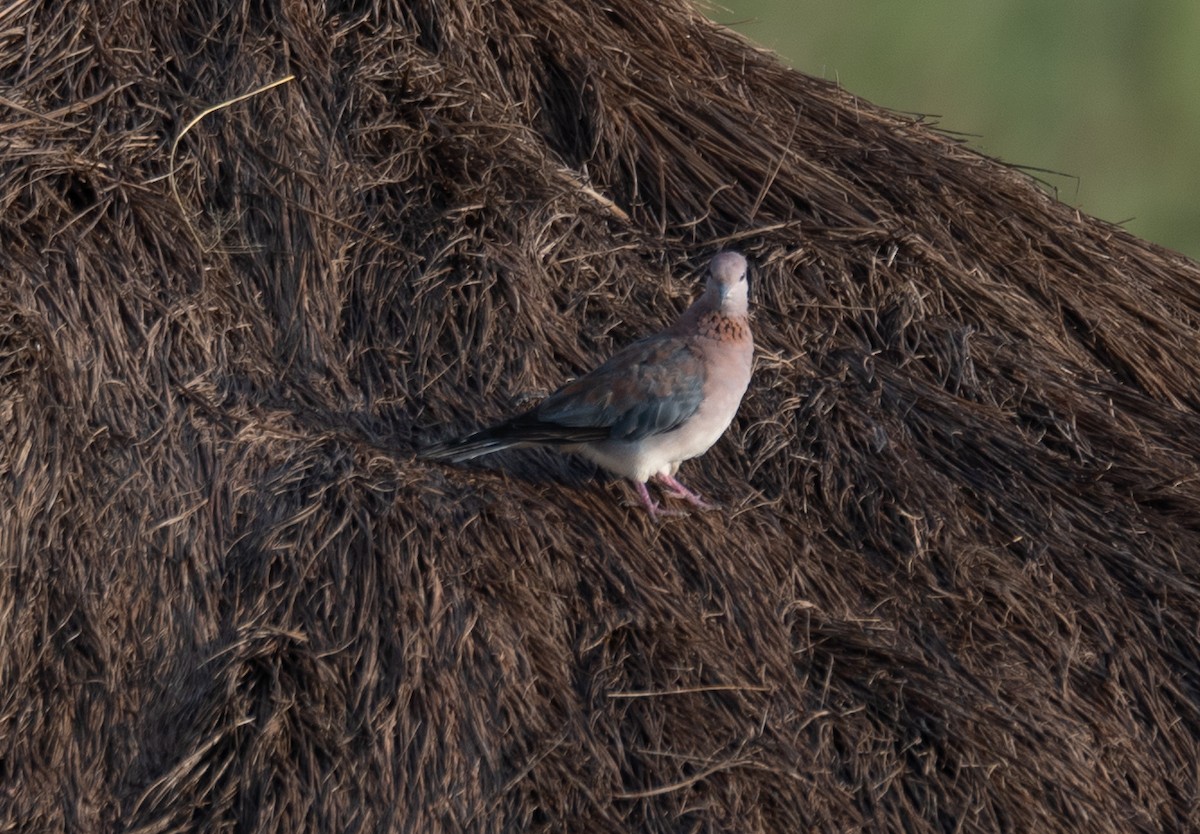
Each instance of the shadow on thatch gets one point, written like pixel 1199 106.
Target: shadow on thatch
pixel 955 584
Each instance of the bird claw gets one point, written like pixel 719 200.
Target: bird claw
pixel 678 490
pixel 660 512
pixel 656 511
pixel 673 489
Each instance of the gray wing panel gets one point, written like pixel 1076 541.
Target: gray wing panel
pixel 650 387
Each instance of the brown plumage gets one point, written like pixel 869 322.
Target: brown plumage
pixel 660 401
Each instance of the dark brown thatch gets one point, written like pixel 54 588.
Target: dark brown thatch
pixel 956 584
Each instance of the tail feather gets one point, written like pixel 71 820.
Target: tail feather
pixel 521 431
pixel 465 448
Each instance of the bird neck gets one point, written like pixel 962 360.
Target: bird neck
pixel 712 322
pixel 723 328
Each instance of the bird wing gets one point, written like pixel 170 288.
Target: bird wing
pixel 650 387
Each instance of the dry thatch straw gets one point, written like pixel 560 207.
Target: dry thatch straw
pixel 955 587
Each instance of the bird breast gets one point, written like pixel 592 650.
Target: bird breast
pixel 729 356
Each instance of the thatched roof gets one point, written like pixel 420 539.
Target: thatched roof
pixel 955 584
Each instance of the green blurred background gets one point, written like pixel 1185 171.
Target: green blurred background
pixel 1105 92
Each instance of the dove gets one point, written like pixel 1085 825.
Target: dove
pixel 660 401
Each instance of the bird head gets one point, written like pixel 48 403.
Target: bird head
pixel 728 288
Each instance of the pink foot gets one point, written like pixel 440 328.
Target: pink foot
pixel 680 491
pixel 655 510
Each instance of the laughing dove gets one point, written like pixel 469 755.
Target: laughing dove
pixel 660 401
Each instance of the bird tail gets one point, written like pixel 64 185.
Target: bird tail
pixel 521 431
pixel 472 446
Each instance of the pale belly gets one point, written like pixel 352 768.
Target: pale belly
pixel 639 460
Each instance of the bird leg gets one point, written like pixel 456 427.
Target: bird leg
pixel 678 490
pixel 652 507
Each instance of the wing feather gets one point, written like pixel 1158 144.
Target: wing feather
pixel 650 387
